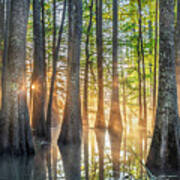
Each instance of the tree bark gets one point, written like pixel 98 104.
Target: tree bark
pixel 15 130
pixel 139 82
pixel 38 76
pixel 54 28
pixel 43 30
pixel 177 43
pixel 155 65
pixel 100 121
pixel 86 78
pixel 165 145
pixel 115 122
pixel 71 129
pixel 7 4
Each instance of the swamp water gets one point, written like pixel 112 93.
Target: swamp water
pixel 100 156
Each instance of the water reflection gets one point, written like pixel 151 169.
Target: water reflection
pixel 86 152
pixel 115 153
pixel 100 138
pixel 71 157
pixel 102 155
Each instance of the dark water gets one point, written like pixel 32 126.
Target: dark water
pixel 100 156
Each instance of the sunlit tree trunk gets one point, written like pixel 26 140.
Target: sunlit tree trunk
pixel 100 121
pixel 115 122
pixel 124 99
pixel 15 132
pixel 155 65
pixel 177 43
pixel 139 82
pixel 38 76
pixel 86 74
pixel 71 129
pixel 164 148
pixel 53 78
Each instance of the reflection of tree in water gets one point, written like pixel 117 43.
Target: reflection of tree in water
pixel 100 138
pixel 86 152
pixel 18 168
pixel 71 157
pixel 115 141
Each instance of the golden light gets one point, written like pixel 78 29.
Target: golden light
pixel 33 86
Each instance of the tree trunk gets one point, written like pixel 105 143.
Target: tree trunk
pixel 53 78
pixel 86 78
pixel 115 122
pixel 139 82
pixel 164 148
pixel 1 27
pixel 54 28
pixel 38 76
pixel 2 20
pixel 100 121
pixel 71 129
pixel 43 31
pixel 177 43
pixel 7 4
pixel 155 66
pixel 144 123
pixel 15 130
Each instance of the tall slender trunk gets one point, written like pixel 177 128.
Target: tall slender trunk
pixel 124 100
pixel 164 152
pixel 100 121
pixel 44 42
pixel 143 66
pixel 54 28
pixel 115 123
pixel 38 76
pixel 177 43
pixel 53 78
pixel 86 78
pixel 15 131
pixel 139 81
pixel 2 21
pixel 2 7
pixel 155 65
pixel 71 129
pixel 43 29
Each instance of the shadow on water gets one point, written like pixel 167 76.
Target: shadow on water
pixel 102 156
